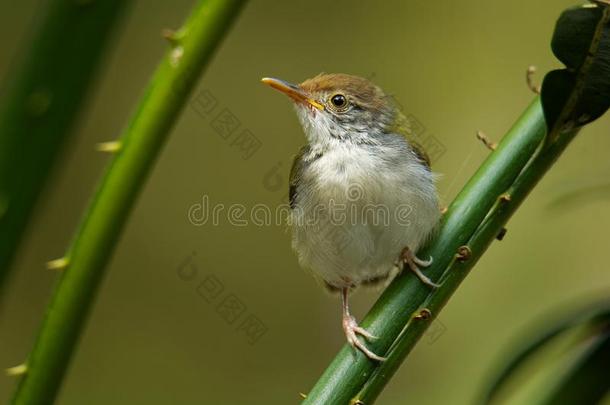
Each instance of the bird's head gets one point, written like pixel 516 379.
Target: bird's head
pixel 340 109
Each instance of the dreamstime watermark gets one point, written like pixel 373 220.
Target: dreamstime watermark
pixel 417 132
pixel 226 124
pixel 434 331
pixel 227 304
pixel 351 209
pixel 229 127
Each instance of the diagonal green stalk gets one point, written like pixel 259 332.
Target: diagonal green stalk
pixel 404 298
pixel 560 134
pixel 42 97
pixel 476 246
pixel 474 220
pixel 140 144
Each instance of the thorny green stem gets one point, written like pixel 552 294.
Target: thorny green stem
pixel 42 98
pixel 475 247
pixel 140 144
pixel 559 137
pixel 407 296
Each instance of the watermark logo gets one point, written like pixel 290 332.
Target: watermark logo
pixel 352 209
pixel 226 124
pixel 226 303
pixel 434 331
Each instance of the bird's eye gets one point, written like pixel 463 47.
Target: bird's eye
pixel 338 101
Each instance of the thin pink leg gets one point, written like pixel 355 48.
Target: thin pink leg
pixel 352 330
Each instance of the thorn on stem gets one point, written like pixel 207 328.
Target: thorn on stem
pixel 58 264
pixel 17 371
pixel 505 198
pixel 486 141
pixel 171 36
pixel 463 253
pixel 424 314
pixel 444 210
pixel 109 147
pixel 303 395
pixel 174 38
pixel 176 55
pixel 529 77
pixel 501 234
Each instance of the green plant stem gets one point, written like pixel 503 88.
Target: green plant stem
pixel 41 101
pixel 554 145
pixel 140 144
pixel 345 376
pixel 503 206
pixel 458 270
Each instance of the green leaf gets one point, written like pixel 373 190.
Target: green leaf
pixel 587 382
pixel 580 93
pixel 574 31
pixel 595 317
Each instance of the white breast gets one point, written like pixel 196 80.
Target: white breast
pixel 357 208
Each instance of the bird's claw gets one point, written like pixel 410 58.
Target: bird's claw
pixel 352 330
pixel 414 262
pixel 423 263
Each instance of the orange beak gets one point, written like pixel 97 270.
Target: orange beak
pixel 293 91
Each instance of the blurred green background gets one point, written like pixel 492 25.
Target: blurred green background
pixel 152 338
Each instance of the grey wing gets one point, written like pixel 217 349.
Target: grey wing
pixel 296 172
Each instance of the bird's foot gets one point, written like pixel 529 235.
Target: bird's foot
pixel 352 330
pixel 408 258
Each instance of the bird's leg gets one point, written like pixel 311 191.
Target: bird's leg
pixel 352 330
pixel 409 258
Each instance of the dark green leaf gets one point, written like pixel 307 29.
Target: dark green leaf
pixel 580 93
pixel 573 34
pixel 587 382
pixel 594 316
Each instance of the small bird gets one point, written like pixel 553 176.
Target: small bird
pixel 362 196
